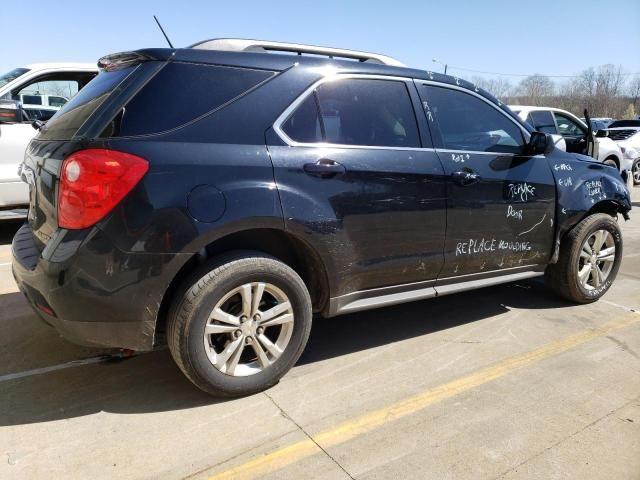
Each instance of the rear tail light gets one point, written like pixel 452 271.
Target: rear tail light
pixel 93 182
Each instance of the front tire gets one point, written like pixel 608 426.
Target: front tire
pixel 635 172
pixel 589 260
pixel 240 323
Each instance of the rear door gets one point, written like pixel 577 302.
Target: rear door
pixel 356 182
pixel 501 204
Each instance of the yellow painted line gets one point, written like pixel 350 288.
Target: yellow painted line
pixel 351 429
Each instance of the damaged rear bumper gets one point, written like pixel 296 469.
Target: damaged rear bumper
pixel 104 297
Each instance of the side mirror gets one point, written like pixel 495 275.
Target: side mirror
pixel 10 111
pixel 602 133
pixel 539 144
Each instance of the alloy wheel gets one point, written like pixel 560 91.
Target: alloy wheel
pixel 597 258
pixel 249 329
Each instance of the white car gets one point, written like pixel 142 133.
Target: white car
pixel 45 88
pixel 626 133
pixel 574 132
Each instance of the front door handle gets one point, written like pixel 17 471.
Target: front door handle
pixel 324 168
pixel 465 177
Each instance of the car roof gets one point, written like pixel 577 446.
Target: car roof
pixel 61 65
pixel 532 108
pixel 285 60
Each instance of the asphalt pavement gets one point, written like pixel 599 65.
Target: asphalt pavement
pixel 505 382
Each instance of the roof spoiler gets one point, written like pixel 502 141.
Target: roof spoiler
pixel 117 61
pixel 244 45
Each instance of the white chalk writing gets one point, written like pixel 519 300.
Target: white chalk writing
pixel 460 157
pixel 475 246
pixel 594 187
pixel 427 110
pixel 521 191
pixel 565 182
pixel 563 167
pixel 513 213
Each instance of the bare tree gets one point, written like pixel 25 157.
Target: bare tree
pixel 599 90
pixel 633 90
pixel 498 87
pixel 536 89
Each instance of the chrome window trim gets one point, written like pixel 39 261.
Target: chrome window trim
pixel 474 152
pixel 277 125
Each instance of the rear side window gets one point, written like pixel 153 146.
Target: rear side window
pixel 356 112
pixel 304 124
pixel 182 92
pixel 542 121
pixel 466 122
pixel 75 112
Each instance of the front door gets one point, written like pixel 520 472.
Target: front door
pixel 356 183
pixel 573 133
pixel 501 204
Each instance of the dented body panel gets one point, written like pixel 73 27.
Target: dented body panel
pixel 585 186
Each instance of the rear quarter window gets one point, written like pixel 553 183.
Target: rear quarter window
pixel 182 92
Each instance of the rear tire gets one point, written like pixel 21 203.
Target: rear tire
pixel 589 260
pixel 239 324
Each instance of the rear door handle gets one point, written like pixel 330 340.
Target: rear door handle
pixel 325 168
pixel 465 178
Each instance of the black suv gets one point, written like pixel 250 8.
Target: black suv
pixel 224 193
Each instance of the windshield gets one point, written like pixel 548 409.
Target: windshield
pixel 625 123
pixel 12 75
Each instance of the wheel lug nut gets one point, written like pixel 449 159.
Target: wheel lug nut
pixel 260 330
pixel 256 317
pixel 237 333
pixel 243 319
pixel 249 340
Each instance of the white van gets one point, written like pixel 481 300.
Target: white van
pixel 33 92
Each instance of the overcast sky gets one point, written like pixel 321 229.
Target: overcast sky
pixel 516 37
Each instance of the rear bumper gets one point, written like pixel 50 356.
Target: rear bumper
pixel 92 293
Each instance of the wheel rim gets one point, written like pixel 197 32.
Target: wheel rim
pixel 597 258
pixel 248 329
pixel 636 172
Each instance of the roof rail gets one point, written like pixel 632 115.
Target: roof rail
pixel 244 45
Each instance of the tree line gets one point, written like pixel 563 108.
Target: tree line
pixel 605 91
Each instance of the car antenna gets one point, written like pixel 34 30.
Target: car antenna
pixel 162 30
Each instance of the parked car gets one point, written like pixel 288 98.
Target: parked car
pixel 626 133
pixel 222 194
pixel 599 123
pixel 37 100
pixel 574 131
pixel 23 99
